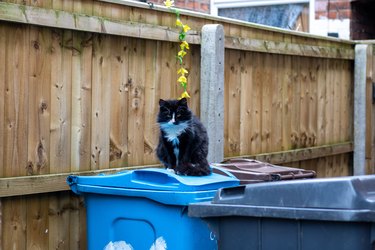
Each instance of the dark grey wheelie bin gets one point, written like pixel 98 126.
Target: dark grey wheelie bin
pixel 314 214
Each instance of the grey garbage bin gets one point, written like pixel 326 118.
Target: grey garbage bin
pixel 314 214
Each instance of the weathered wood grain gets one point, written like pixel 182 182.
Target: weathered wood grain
pixel 302 154
pixel 137 27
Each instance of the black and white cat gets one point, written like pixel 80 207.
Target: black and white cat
pixel 183 141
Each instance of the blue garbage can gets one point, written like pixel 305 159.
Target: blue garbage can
pixel 145 208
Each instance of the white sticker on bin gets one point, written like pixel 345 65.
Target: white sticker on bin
pixel 118 245
pixel 159 244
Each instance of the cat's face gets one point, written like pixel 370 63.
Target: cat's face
pixel 173 112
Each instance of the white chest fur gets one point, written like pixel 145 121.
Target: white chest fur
pixel 172 131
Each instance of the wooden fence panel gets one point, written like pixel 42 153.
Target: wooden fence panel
pixel 74 100
pixel 298 102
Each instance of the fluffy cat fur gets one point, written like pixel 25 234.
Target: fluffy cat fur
pixel 183 140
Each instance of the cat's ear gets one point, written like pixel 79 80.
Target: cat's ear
pixel 182 102
pixel 161 102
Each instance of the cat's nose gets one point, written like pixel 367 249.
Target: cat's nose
pixel 173 120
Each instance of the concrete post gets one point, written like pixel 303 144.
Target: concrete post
pixel 212 89
pixel 360 69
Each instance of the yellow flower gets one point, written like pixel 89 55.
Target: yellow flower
pixel 178 23
pixel 168 3
pixel 182 71
pixel 181 53
pixel 182 79
pixel 185 94
pixel 186 28
pixel 184 45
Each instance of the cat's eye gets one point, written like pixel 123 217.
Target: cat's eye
pixel 178 115
pixel 165 111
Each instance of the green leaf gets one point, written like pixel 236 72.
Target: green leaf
pixel 177 12
pixel 179 59
pixel 182 36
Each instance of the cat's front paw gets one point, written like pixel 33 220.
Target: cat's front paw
pixel 171 170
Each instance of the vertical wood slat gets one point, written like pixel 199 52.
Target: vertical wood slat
pixel 15 132
pixel 167 79
pixel 80 125
pixel 2 116
pixel 232 86
pixel 256 109
pixel 193 64
pixel 101 80
pixel 119 102
pixel 304 83
pixel 295 127
pixel 136 102
pixel 276 109
pixel 3 46
pixel 266 97
pixel 60 101
pixel 38 133
pixel 313 110
pixel 151 100
pixel 343 169
pixel 77 106
pixel 287 87
pixel 81 101
pixel 245 105
pixel 321 109
pixel 16 102
pixel 329 130
pixel 233 109
pixel 226 104
pixel 61 130
pixel 337 168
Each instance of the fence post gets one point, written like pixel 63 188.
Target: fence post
pixel 212 89
pixel 360 79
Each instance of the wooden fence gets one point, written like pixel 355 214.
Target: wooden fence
pixel 79 88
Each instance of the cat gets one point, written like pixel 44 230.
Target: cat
pixel 183 140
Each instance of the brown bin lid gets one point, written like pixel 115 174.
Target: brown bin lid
pixel 252 171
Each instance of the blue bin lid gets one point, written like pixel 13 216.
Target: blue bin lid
pixel 155 183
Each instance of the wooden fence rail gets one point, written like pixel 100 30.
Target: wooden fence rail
pixel 26 185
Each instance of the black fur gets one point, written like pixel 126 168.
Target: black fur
pixel 191 140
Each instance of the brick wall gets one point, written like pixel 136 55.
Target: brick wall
pixel 194 5
pixel 332 9
pixel 362 25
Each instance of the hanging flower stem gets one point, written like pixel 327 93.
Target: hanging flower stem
pixel 184 47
